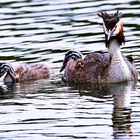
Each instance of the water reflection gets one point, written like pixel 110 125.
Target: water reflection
pixel 121 119
pixel 6 91
pixel 42 31
pixel 121 116
pixel 10 90
pixel 120 94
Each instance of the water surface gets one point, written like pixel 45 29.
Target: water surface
pixel 36 31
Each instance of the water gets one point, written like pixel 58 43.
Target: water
pixel 42 31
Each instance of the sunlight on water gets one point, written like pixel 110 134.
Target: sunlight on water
pixel 42 31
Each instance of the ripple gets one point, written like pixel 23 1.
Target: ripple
pixel 42 31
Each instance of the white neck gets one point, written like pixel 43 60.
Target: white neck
pixel 119 70
pixel 114 48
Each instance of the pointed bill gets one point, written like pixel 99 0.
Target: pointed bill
pixel 109 34
pixel 3 77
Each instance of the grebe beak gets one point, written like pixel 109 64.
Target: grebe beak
pixel 109 35
pixel 62 68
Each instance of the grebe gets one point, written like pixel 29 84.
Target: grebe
pixel 22 72
pixel 111 67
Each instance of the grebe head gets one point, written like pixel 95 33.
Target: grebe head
pixel 70 55
pixel 113 27
pixel 6 70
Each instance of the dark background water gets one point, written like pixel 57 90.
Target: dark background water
pixel 42 31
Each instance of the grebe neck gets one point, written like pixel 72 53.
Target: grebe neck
pixel 118 69
pixel 114 49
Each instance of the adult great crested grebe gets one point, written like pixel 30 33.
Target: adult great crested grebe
pixel 111 67
pixel 22 72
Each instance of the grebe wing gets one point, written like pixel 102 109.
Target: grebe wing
pixel 90 70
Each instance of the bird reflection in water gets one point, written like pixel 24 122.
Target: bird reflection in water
pixel 120 93
pixel 121 116
pixel 12 90
pixel 6 91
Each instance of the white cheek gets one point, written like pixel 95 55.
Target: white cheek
pixel 117 30
pixel 105 29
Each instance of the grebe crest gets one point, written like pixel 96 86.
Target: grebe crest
pixel 113 27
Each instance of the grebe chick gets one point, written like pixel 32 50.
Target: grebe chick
pixel 23 72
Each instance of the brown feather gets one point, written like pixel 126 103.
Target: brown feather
pixel 23 72
pixel 93 70
pixel 111 67
pixel 31 72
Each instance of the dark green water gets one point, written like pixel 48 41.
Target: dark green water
pixel 42 31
